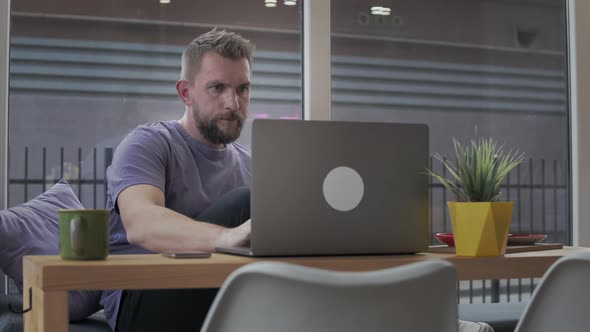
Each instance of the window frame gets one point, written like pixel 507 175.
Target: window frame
pixel 4 60
pixel 578 12
pixel 4 57
pixel 317 57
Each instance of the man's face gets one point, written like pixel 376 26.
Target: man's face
pixel 220 96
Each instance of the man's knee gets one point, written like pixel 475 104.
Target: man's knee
pixel 241 197
pixel 230 210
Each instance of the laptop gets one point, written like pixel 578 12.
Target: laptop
pixel 338 188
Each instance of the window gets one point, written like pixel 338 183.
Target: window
pixel 82 75
pixel 466 68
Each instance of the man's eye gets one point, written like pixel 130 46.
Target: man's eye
pixel 244 89
pixel 216 88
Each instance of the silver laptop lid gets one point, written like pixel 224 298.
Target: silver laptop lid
pixel 329 188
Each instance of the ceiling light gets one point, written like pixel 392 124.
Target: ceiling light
pixel 164 2
pixel 290 2
pixel 270 3
pixel 378 10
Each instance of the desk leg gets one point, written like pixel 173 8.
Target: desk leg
pixel 49 313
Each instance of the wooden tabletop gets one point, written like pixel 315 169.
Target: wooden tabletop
pixel 51 273
pixel 48 278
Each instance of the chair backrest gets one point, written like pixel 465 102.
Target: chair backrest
pixel 561 301
pixel 272 296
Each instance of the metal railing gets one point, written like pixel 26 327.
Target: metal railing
pixel 20 188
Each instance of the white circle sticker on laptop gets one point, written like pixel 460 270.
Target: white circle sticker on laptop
pixel 343 188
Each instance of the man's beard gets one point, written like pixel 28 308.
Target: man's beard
pixel 213 133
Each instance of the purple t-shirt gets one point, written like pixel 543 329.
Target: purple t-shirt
pixel 190 174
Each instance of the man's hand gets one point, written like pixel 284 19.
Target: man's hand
pixel 237 237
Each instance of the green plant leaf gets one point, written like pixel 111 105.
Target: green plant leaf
pixel 478 170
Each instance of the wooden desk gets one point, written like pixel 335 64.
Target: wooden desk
pixel 50 277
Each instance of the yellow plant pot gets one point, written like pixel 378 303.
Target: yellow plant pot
pixel 480 228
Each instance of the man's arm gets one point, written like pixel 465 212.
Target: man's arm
pixel 154 227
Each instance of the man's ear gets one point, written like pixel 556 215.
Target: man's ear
pixel 183 90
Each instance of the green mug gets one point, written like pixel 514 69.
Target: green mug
pixel 83 234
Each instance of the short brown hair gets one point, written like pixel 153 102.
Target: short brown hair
pixel 227 44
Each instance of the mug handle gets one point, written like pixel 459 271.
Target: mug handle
pixel 76 226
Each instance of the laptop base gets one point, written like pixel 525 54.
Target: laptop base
pixel 241 251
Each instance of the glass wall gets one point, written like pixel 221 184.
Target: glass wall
pixel 491 68
pixel 83 74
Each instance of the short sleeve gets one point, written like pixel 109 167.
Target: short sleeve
pixel 141 158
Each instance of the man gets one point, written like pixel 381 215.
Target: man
pixel 169 182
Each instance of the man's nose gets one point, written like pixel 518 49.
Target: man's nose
pixel 231 100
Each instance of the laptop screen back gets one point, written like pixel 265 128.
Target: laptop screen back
pixel 339 188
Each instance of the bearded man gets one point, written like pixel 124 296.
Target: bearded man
pixel 182 185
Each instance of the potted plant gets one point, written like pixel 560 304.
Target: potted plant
pixel 480 222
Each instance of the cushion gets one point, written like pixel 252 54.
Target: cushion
pixel 465 326
pixel 502 317
pixel 32 228
pixel 11 322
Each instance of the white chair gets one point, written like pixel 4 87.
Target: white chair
pixel 272 296
pixel 561 301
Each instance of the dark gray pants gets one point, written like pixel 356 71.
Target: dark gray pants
pixel 181 309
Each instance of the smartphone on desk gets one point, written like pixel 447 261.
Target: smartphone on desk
pixel 187 254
